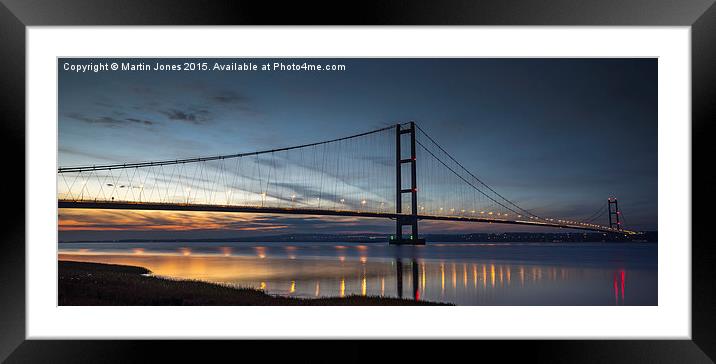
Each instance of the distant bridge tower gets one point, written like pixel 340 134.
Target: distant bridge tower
pixel 614 212
pixel 412 219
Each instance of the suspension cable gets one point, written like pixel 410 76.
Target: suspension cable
pixel 593 216
pixel 472 175
pixel 462 178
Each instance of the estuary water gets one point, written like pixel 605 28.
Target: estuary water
pixel 459 273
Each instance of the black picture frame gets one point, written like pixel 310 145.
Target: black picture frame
pixel 16 15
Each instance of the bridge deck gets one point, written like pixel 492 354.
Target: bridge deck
pixel 123 205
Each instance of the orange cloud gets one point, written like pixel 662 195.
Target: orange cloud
pixel 108 220
pixel 135 220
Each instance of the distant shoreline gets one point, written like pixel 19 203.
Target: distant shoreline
pixel 96 284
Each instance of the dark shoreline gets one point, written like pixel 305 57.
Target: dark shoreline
pixel 95 284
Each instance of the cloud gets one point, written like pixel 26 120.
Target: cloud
pixel 81 153
pixel 77 224
pixel 381 161
pixel 197 117
pixel 229 97
pixel 140 121
pixel 230 100
pixel 173 221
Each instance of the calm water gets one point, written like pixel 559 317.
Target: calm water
pixel 460 273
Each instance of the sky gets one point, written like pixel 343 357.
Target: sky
pixel 556 136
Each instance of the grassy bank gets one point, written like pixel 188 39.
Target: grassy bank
pixel 93 284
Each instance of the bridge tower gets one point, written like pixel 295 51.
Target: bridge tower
pixel 614 212
pixel 405 219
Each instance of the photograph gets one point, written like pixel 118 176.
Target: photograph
pixel 357 181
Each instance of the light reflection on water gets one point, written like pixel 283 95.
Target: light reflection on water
pixel 464 274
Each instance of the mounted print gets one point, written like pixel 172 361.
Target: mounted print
pixel 454 170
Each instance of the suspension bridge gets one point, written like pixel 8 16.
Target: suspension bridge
pixel 397 172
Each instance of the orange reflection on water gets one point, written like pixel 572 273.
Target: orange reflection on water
pixel 500 275
pixel 184 265
pixel 423 276
pixel 492 275
pixel 474 274
pixel 304 277
pixel 454 277
pixel 536 274
pixel 226 251
pixel 464 275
